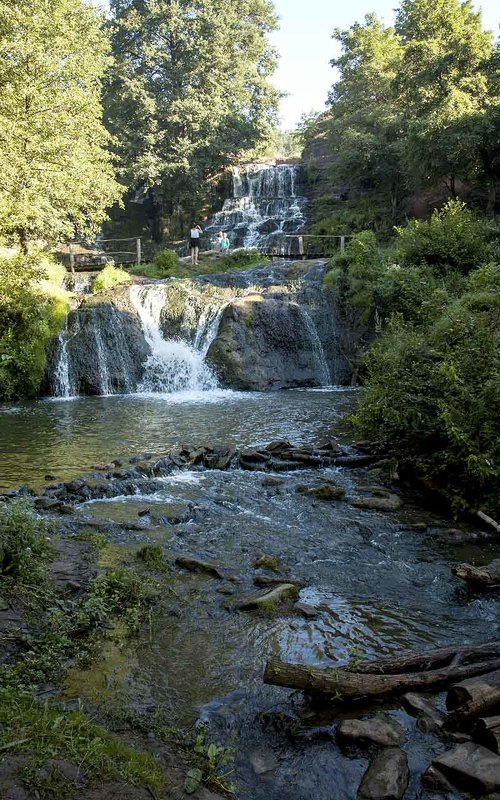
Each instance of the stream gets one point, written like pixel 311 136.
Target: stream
pixel 380 586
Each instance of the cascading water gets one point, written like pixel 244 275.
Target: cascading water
pixel 263 210
pixel 322 369
pixel 61 384
pixel 174 365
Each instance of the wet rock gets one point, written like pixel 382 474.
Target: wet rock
pixel 4 606
pixel 379 730
pixel 267 580
pixel 279 445
pixel 269 481
pixel 65 508
pixel 199 565
pixel 49 477
pixel 218 457
pixel 325 491
pixel 419 527
pixel 266 601
pixel 46 503
pixel 267 562
pixel 144 512
pixel 471 767
pixel 435 781
pixel 429 718
pixel 387 776
pixel 263 762
pixel 276 465
pixel 390 503
pixel 307 611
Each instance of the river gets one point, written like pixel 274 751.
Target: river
pixel 379 585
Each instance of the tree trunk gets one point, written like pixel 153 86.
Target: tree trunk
pixel 429 659
pixel 23 240
pixel 341 683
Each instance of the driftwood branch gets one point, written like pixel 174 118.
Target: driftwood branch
pixel 487 577
pixel 429 659
pixel 486 731
pixel 340 682
pixel 474 697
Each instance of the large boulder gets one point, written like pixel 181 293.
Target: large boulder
pixel 387 776
pixel 264 343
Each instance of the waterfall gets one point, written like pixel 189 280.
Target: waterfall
pixel 322 369
pixel 61 384
pixel 174 365
pixel 263 209
pixel 104 387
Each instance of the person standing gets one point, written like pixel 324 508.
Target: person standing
pixel 224 243
pixel 194 242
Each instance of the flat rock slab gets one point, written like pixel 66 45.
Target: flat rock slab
pixel 325 491
pixel 471 767
pixel 266 600
pixel 380 730
pixel 387 776
pixel 199 565
pixel 390 503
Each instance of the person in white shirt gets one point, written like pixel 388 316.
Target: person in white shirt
pixel 194 242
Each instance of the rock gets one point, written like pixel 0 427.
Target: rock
pixel 263 762
pixel 65 508
pixel 419 527
pixel 46 503
pixel 435 781
pixel 4 606
pixel 279 445
pixel 472 767
pixel 198 565
pixel 390 503
pixel 270 481
pixel 267 562
pixel 144 512
pixel 266 601
pixel 264 343
pixel 429 718
pixel 49 477
pixel 307 611
pixel 16 793
pixel 387 776
pixel 268 580
pixel 326 491
pixel 379 730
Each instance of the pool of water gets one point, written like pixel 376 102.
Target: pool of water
pixel 68 436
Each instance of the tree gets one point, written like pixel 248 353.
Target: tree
pixel 365 125
pixel 442 85
pixel 56 177
pixel 188 93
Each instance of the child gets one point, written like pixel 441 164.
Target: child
pixel 224 243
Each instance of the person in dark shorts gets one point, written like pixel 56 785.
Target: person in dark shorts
pixel 194 242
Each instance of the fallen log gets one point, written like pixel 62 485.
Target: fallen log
pixel 429 659
pixel 482 689
pixel 486 731
pixel 487 577
pixel 342 683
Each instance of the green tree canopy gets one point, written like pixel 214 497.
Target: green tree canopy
pixel 189 91
pixel 56 177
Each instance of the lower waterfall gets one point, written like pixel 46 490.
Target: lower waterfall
pixel 174 365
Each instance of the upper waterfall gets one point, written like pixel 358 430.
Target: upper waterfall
pixel 264 208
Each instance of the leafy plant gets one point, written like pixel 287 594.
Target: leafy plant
pixel 166 261
pixel 108 277
pixel 23 544
pixel 213 770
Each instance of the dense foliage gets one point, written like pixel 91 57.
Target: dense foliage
pixel 56 175
pixel 108 277
pixel 188 92
pixel 33 305
pixel 414 117
pixel 432 383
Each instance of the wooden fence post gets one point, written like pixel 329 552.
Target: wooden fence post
pixel 342 244
pixel 301 246
pixel 71 258
pixel 138 244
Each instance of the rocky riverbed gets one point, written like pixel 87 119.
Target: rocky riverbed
pixel 309 551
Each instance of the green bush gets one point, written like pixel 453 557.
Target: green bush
pixel 32 310
pixel 108 277
pixel 23 543
pixel 166 262
pixel 433 391
pixel 454 238
pixel 241 259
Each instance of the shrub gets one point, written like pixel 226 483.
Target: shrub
pixel 241 259
pixel 108 277
pixel 32 310
pixel 454 238
pixel 166 261
pixel 23 544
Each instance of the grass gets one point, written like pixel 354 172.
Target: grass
pixel 108 277
pixel 208 265
pixel 24 550
pixel 46 733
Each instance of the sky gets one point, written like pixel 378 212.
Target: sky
pixel 306 47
